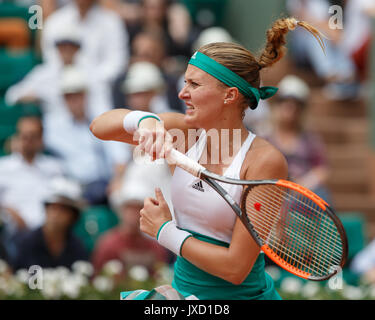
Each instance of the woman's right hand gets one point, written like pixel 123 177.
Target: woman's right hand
pixel 153 138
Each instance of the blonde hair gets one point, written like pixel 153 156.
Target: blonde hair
pixel 241 61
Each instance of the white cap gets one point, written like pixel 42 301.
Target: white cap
pixel 68 33
pixel 65 191
pixel 135 190
pixel 73 80
pixel 142 77
pixel 140 180
pixel 293 87
pixel 210 35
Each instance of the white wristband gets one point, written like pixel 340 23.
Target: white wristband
pixel 172 238
pixel 132 119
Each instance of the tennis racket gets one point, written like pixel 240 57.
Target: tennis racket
pixel 293 226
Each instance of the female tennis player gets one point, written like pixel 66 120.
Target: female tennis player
pixel 216 256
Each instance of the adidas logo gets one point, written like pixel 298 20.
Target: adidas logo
pixel 198 186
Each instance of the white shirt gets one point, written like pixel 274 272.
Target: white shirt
pixel 86 158
pixel 364 260
pixel 316 9
pixel 141 178
pixel 104 39
pixel 44 82
pixel 40 82
pixel 357 25
pixel 198 207
pixel 24 186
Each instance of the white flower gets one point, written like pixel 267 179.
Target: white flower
pixel 51 291
pixel 310 290
pixel 62 273
pixel 22 275
pixel 80 279
pixel 15 288
pixel 138 273
pixel 113 267
pixel 291 285
pixel 3 285
pixel 51 284
pixel 353 293
pixel 371 292
pixel 274 272
pixel 71 287
pixel 83 267
pixel 103 284
pixel 3 266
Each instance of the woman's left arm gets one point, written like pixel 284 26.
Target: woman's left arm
pixel 234 263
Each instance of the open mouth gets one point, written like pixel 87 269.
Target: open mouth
pixel 189 106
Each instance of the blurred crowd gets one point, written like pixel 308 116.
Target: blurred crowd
pixel 99 55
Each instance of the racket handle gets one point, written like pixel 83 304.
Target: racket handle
pixel 184 162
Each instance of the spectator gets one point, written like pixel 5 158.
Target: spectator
pixel 144 88
pixel 126 242
pixel 356 36
pixel 86 159
pixel 24 178
pixel 42 84
pixel 130 12
pixel 172 20
pixel 50 6
pixel 25 174
pixel 53 244
pixel 363 263
pixel 303 150
pixel 148 46
pixel 104 38
pixel 334 67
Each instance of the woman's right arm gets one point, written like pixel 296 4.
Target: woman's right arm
pixel 109 125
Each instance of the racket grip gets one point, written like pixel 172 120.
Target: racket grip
pixel 184 162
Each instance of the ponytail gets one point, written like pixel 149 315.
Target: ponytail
pixel 276 40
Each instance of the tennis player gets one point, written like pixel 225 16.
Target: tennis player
pixel 216 256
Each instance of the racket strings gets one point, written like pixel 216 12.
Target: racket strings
pixel 295 228
pixel 287 253
pixel 303 220
pixel 291 257
pixel 296 240
pixel 289 231
pixel 330 231
pixel 305 202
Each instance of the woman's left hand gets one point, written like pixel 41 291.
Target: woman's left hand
pixel 155 212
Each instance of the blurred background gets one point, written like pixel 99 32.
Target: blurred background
pixel 70 203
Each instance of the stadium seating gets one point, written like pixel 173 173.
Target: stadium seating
pixel 94 221
pixel 214 8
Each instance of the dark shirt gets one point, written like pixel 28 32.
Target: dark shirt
pixel 33 250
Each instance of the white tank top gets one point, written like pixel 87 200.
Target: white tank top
pixel 199 208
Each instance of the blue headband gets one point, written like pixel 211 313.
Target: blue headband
pixel 230 78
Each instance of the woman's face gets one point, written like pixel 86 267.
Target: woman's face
pixel 203 96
